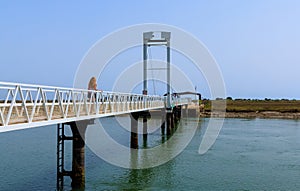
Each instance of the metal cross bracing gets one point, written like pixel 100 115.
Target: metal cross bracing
pixel 61 172
pixel 24 105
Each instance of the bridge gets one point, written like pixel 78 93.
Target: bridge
pixel 24 106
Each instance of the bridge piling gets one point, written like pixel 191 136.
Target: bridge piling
pixel 163 121
pixel 134 130
pixel 145 131
pixel 78 159
pixel 177 114
pixel 77 173
pixel 170 122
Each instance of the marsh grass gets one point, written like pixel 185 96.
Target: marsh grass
pixel 257 105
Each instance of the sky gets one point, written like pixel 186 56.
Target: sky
pixel 255 43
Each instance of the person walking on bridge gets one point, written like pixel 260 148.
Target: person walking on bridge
pixel 92 86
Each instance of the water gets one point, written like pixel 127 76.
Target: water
pixel 256 154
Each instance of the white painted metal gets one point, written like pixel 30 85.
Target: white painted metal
pixel 25 105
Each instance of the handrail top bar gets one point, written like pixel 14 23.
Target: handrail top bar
pixel 28 86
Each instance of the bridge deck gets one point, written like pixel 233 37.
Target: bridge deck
pixel 24 106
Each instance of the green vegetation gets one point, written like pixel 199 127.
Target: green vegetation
pixel 247 105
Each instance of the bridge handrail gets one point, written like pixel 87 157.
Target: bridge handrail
pixel 11 85
pixel 39 104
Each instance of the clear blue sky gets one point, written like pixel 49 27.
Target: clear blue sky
pixel 256 43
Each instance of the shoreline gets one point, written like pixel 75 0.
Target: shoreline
pixel 247 115
pixel 247 108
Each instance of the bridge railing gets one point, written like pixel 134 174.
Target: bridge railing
pixel 36 105
pixel 176 101
pixel 25 103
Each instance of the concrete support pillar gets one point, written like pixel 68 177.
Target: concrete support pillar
pixel 163 121
pixel 177 114
pixel 172 121
pixel 134 130
pixel 145 130
pixel 78 159
pixel 170 124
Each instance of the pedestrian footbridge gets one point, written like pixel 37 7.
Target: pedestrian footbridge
pixel 25 105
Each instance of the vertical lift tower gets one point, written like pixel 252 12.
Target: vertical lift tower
pixel 153 38
pixel 157 38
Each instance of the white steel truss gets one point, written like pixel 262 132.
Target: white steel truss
pixel 24 105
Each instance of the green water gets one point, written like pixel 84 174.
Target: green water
pixel 254 154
